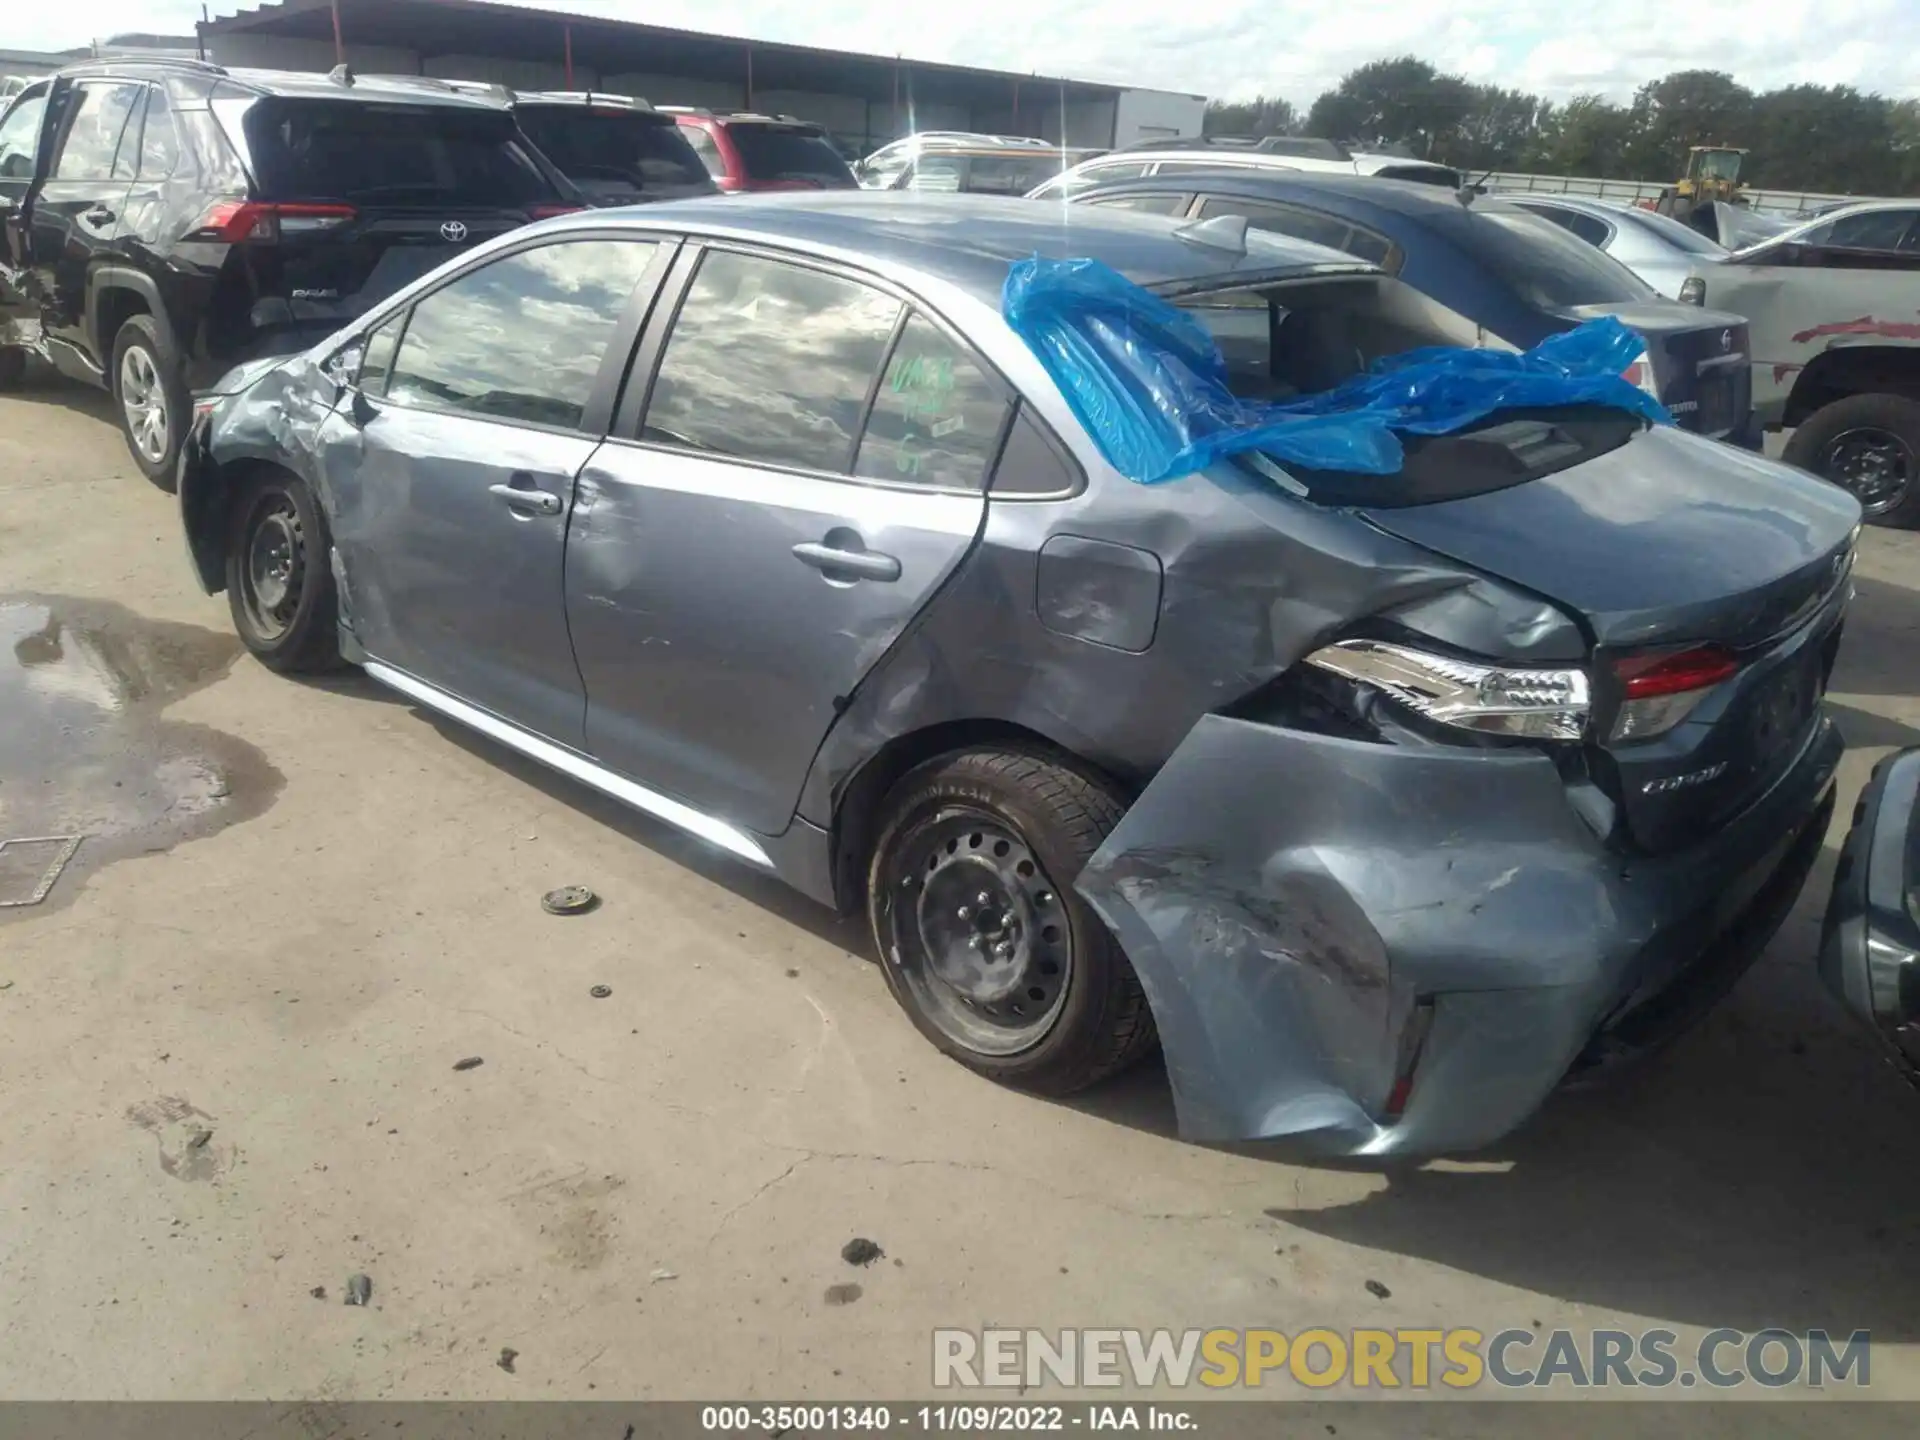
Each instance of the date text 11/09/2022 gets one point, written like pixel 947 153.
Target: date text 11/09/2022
pixel 935 1419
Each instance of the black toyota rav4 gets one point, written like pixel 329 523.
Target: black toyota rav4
pixel 166 220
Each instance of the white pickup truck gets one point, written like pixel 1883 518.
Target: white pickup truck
pixel 1835 334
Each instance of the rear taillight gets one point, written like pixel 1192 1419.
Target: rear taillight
pixel 547 212
pixel 1413 1040
pixel 1661 689
pixel 1538 704
pixel 1640 373
pixel 235 221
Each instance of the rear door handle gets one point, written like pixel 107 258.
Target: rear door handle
pixel 836 564
pixel 541 502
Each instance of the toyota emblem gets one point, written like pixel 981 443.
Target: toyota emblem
pixel 453 230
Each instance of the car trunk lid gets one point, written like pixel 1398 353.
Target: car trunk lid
pixel 1664 547
pixel 1700 359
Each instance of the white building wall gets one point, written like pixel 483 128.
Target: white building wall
pixel 275 52
pixel 1157 115
pixel 672 90
pixel 842 114
pixel 520 74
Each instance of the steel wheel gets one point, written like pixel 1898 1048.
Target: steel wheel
pixel 143 401
pixel 980 933
pixel 273 572
pixel 1875 466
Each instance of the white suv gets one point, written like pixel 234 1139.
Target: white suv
pixel 1222 152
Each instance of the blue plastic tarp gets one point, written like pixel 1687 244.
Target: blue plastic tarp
pixel 1149 384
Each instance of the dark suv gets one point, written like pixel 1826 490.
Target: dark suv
pixel 744 150
pixel 166 220
pixel 616 149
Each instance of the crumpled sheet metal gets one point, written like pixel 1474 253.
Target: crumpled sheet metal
pixel 1147 381
pixel 1285 897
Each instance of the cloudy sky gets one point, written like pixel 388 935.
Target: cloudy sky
pixel 1235 48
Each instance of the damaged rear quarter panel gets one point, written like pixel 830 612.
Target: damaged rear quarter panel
pixel 1285 898
pixel 1253 579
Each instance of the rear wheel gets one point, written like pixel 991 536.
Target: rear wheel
pixel 984 943
pixel 13 368
pixel 280 576
pixel 1869 445
pixel 154 405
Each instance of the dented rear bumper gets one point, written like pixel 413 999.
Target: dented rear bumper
pixel 1382 949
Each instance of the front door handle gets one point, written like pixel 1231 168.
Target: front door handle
pixel 99 215
pixel 836 563
pixel 541 502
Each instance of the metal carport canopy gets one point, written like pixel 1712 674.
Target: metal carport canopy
pixel 491 30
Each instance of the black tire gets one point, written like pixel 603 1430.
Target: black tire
pixel 1879 432
pixel 276 530
pixel 1050 819
pixel 150 393
pixel 13 367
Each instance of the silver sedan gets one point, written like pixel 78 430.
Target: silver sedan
pixel 1659 249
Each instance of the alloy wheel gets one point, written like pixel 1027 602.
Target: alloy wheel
pixel 143 401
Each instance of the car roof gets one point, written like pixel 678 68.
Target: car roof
pixel 367 89
pixel 970 241
pixel 1841 212
pixel 1260 161
pixel 1351 195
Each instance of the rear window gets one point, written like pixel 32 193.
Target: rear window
pixel 374 155
pixel 613 154
pixel 788 152
pixel 1546 266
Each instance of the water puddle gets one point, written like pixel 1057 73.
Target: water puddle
pixel 85 752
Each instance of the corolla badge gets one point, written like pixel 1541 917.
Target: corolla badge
pixel 453 230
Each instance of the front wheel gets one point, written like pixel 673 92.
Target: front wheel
pixel 154 405
pixel 280 576
pixel 984 943
pixel 1868 445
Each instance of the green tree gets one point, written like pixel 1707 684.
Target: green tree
pixel 1404 101
pixel 1681 110
pixel 1497 129
pixel 1819 137
pixel 1589 135
pixel 1262 115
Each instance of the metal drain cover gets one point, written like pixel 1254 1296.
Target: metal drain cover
pixel 30 866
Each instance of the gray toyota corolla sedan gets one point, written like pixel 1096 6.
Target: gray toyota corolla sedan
pixel 1382 801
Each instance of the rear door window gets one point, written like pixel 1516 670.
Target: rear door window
pixel 1327 230
pixel 1013 174
pixel 392 156
pixel 1085 179
pixel 1871 230
pixel 94 133
pixel 1148 204
pixel 937 416
pixel 159 142
pixel 770 362
pixel 1584 227
pixel 521 338
pixel 612 154
pixel 20 138
pixel 788 152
